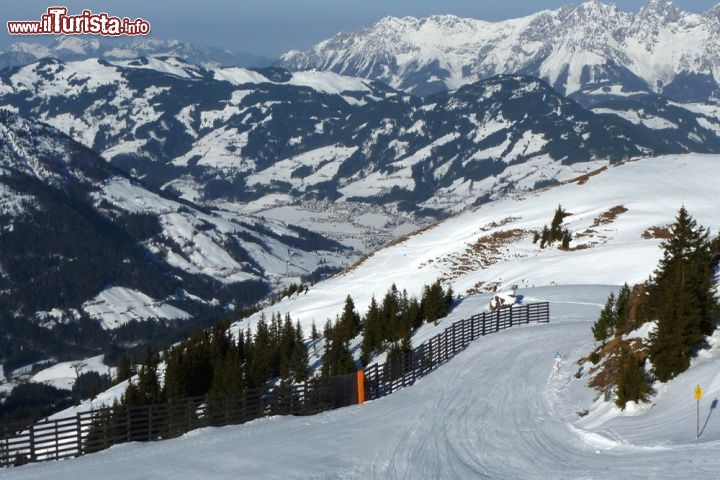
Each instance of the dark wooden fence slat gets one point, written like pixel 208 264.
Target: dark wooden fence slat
pixel 70 437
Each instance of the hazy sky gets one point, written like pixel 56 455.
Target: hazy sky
pixel 270 27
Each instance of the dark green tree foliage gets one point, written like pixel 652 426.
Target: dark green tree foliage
pixel 544 236
pixel 632 382
pixel 566 239
pixel 212 362
pixel 337 358
pixel 89 384
pixel 31 401
pixel 621 310
pixel 262 359
pixel 314 335
pixel 300 357
pixel 614 317
pixel 124 369
pixel 227 359
pixel 188 370
pixel 436 302
pixel 372 333
pixel 397 355
pixel 555 233
pixel 393 321
pixel 555 225
pixel 349 324
pixel 682 297
pixel 148 390
pixel 604 326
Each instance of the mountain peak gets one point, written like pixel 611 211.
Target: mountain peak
pixel 592 43
pixel 662 10
pixel 713 12
pixel 75 45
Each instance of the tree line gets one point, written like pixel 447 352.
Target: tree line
pixel 214 362
pixel 680 297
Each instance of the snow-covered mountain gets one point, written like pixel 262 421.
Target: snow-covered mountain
pixel 68 48
pixel 578 49
pixel 559 427
pixel 613 216
pixel 258 140
pixel 86 249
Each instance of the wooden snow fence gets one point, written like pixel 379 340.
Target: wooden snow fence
pixel 95 430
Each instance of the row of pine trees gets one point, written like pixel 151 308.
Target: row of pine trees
pixel 213 362
pixel 680 297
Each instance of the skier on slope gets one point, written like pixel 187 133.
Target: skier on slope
pixel 558 362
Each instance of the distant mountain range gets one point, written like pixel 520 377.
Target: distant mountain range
pixel 87 250
pixel 68 48
pixel 150 180
pixel 263 136
pixel 581 50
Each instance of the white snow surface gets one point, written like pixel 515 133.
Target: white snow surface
pixel 63 375
pixel 116 306
pixel 201 250
pixel 496 410
pixel 567 46
pixel 652 190
pixel 327 82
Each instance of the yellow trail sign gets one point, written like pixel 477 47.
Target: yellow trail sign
pixel 698 393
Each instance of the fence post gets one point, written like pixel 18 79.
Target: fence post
pixel 150 422
pixel 128 423
pixel 57 441
pixel 4 453
pixel 79 434
pixel 32 443
pixel 454 334
pixel 377 381
pixel 497 321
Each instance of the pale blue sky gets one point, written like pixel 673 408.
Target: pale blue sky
pixel 270 27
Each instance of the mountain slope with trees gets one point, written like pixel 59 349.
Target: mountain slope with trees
pixel 680 299
pixel 89 255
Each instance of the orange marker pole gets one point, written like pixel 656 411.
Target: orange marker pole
pixel 361 386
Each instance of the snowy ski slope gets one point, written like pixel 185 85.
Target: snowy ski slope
pixel 497 410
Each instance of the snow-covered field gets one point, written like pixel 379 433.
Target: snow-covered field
pixel 116 306
pixel 492 246
pixel 497 410
pixel 63 375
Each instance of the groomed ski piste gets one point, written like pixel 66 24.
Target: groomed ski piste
pixel 498 409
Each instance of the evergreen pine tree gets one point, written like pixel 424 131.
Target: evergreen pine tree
pixel 260 368
pixel 555 230
pixel 349 322
pixel 621 310
pixel 566 239
pixel 632 383
pixel 545 237
pixel 682 297
pixel 124 369
pixel 149 391
pixel 604 326
pixel 176 373
pixel 287 348
pixel 337 359
pixel 372 336
pixel 314 335
pixel 300 357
